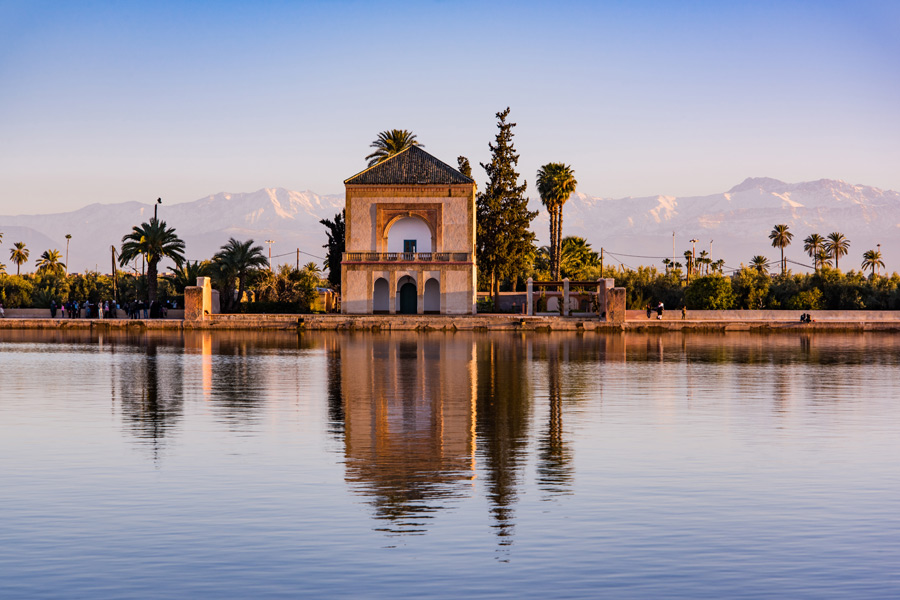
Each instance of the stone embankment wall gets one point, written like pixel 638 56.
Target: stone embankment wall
pixel 447 323
pixel 770 315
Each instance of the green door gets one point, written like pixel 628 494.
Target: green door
pixel 408 299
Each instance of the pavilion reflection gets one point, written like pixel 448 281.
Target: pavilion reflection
pixel 408 421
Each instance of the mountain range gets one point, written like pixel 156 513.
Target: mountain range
pixel 734 225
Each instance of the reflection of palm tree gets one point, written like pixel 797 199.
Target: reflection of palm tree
pixel 502 425
pixel 151 402
pixel 555 473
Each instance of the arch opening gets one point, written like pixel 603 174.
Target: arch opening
pixel 409 234
pixel 381 296
pixel 432 296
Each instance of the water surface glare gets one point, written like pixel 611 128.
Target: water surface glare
pixel 436 465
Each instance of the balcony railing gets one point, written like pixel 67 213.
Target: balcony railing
pixel 430 257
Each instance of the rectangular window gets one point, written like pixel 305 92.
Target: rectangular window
pixel 409 245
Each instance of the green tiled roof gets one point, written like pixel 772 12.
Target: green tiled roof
pixel 411 166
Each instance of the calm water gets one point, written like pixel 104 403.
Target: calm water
pixel 449 465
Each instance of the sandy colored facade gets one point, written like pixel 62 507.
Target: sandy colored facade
pixel 410 238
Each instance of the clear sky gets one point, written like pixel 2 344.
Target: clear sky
pixel 117 101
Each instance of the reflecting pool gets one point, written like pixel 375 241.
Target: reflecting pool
pixel 436 465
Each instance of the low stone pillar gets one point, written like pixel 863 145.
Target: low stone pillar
pixel 565 306
pixel 198 300
pixel 615 305
pixel 529 296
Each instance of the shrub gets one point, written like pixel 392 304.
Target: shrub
pixel 710 292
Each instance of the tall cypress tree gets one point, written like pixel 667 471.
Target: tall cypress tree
pixel 336 246
pixel 504 240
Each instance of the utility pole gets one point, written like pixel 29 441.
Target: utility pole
pixel 693 254
pixel 115 275
pixel 710 256
pixel 298 259
pixel 155 206
pixel 270 242
pixel 673 249
pixel 68 237
pixel 878 268
pixel 601 262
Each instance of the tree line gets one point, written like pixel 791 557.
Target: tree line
pixel 240 272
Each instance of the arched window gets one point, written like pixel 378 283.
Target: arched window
pixel 409 234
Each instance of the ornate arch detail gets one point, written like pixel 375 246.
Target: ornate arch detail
pixel 388 214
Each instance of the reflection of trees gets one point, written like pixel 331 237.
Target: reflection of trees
pixel 555 472
pixel 503 401
pixel 150 393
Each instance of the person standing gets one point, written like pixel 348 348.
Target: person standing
pixel 53 309
pixel 659 310
pixel 2 314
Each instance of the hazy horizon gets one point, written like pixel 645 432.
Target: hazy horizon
pixel 116 103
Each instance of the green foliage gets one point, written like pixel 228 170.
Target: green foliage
pixel 389 143
pixel 155 241
pixel 288 287
pixel 709 292
pixel 751 288
pixel 555 183
pixel 504 240
pixel 336 247
pixel 576 258
pixel 806 300
pixel 15 291
pixel 234 263
pixel 90 285
pixel 49 285
pixel 186 274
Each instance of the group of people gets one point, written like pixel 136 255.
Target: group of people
pixel 107 309
pixel 73 309
pixel 659 310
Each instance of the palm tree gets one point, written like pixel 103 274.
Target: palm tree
pixel 68 237
pixel 390 143
pixel 576 256
pixel 760 263
pixel 312 268
pixel 555 182
pixel 50 262
pixel 155 241
pixel 837 245
pixel 781 238
pixel 871 260
pixel 2 269
pixel 812 245
pixel 824 258
pixel 235 261
pixel 19 255
pixel 186 274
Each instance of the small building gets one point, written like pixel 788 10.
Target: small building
pixel 410 238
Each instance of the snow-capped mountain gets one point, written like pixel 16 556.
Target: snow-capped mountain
pixel 289 218
pixel 738 221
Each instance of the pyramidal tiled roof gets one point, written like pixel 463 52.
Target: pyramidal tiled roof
pixel 410 166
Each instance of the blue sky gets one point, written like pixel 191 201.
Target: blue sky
pixel 117 101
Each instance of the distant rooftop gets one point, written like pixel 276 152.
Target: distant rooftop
pixel 411 166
